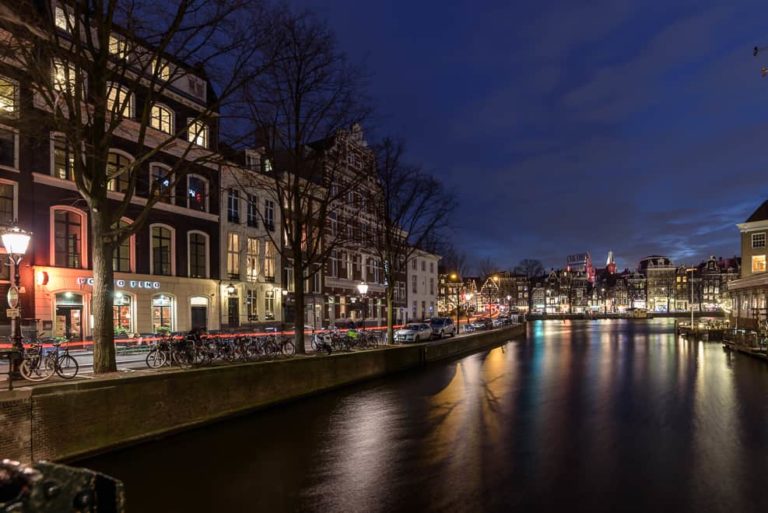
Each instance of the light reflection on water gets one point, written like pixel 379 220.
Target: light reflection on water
pixel 582 416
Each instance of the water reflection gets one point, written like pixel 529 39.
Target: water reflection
pixel 582 416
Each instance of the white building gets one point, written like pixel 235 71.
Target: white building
pixel 422 285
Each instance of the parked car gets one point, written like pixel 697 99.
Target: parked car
pixel 481 324
pixel 442 327
pixel 498 322
pixel 414 332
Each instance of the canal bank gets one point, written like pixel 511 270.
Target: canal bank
pixel 63 421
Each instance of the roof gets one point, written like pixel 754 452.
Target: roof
pixel 761 214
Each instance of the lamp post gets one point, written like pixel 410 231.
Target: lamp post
pixel 455 279
pixel 690 306
pixel 362 288
pixel 16 242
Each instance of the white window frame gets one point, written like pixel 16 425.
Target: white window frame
pixel 114 88
pixel 15 132
pixel 122 153
pixel 15 186
pixel 194 134
pixel 237 252
pixel 173 248
pixel 169 169
pixel 207 253
pixel 15 100
pixel 205 196
pixel 758 235
pixel 248 255
pixel 174 312
pixel 83 234
pixel 171 121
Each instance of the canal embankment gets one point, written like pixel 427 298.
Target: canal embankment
pixel 66 420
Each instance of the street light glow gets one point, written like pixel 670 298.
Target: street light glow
pixel 16 241
pixel 362 288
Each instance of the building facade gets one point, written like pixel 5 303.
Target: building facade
pixel 422 284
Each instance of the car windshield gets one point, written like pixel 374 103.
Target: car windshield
pixel 437 322
pixel 413 326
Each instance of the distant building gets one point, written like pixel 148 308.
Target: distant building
pixel 422 285
pixel 660 275
pixel 748 293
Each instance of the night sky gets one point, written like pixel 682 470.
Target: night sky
pixel 568 126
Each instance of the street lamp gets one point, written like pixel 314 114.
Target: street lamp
pixel 690 306
pixel 231 289
pixel 362 288
pixel 16 242
pixel 455 279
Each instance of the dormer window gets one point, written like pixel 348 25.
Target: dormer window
pixel 161 69
pixel 197 133
pixel 161 118
pixel 251 160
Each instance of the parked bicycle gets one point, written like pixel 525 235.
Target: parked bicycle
pixel 37 365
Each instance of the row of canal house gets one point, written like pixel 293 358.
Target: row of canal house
pixel 206 256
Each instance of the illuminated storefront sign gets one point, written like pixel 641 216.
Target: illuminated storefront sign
pixel 121 284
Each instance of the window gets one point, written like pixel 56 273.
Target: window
pixel 251 160
pixel 197 133
pixel 252 214
pixel 161 118
pixel 63 159
pixel 161 183
pixel 68 232
pixel 121 314
pixel 333 223
pixel 269 261
pixel 251 305
pixel 9 97
pixel 117 167
pixel 121 259
pixel 162 313
pixel 269 215
pixel 431 286
pixel 269 305
pixel 233 206
pixel 267 165
pixel 161 69
pixel 64 77
pixel 758 264
pixel 119 101
pixel 233 255
pixel 431 267
pixel 63 20
pixel 290 283
pixel 162 250
pixel 758 240
pixel 7 202
pixel 252 259
pixel 413 264
pixel 198 255
pixel 118 47
pixel 7 147
pixel 334 266
pixel 423 266
pixel 197 193
pixel 414 284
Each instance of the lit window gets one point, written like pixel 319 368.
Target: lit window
pixel 68 231
pixel 269 261
pixel 252 259
pixel 162 313
pixel 161 69
pixel 118 170
pixel 121 259
pixel 758 264
pixel 269 215
pixel 119 101
pixel 118 47
pixel 269 305
pixel 197 193
pixel 64 20
pixel 267 165
pixel 64 77
pixel 7 200
pixel 233 206
pixel 161 118
pixel 251 305
pixel 758 240
pixel 198 253
pixel 9 96
pixel 162 250
pixel 233 255
pixel 63 159
pixel 121 314
pixel 197 133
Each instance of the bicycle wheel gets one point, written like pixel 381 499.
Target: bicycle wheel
pixel 35 369
pixel 67 366
pixel 156 359
pixel 182 358
pixel 289 349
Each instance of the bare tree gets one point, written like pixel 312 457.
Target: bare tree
pixel 530 268
pixel 453 260
pixel 306 112
pixel 410 207
pixel 487 267
pixel 96 70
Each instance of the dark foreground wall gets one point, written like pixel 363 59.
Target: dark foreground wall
pixel 66 420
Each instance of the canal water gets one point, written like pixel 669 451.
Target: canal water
pixel 605 415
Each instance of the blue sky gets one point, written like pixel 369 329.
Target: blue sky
pixel 570 126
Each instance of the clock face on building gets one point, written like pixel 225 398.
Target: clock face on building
pixel 13 297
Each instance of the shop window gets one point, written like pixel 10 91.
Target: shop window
pixel 68 322
pixel 122 315
pixel 162 313
pixel 118 166
pixel 7 203
pixel 198 255
pixel 758 264
pixel 251 305
pixel 162 250
pixel 121 259
pixel 269 261
pixel 161 183
pixel 8 142
pixel 197 193
pixel 161 118
pixel 252 259
pixel 63 159
pixel 269 305
pixel 68 228
pixel 9 97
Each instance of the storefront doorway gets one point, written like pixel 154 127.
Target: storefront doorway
pixel 233 312
pixel 69 316
pixel 199 312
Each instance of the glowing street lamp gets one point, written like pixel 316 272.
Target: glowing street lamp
pixel 362 288
pixel 16 242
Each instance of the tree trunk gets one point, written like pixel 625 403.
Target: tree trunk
pixel 390 314
pixel 298 316
pixel 103 296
